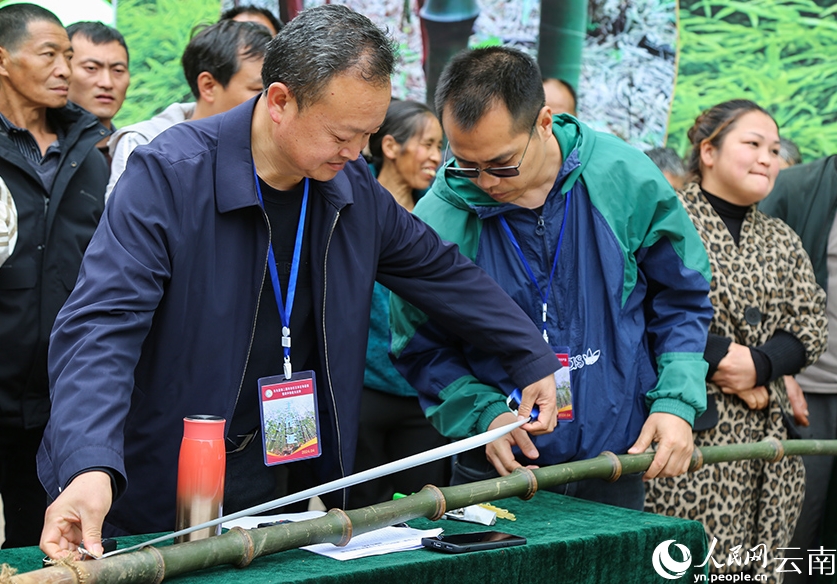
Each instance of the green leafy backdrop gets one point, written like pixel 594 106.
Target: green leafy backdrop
pixel 778 53
pixel 157 31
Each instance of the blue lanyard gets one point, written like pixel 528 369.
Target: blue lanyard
pixel 543 294
pixel 286 307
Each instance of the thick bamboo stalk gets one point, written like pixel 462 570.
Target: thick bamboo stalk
pixel 561 36
pixel 239 547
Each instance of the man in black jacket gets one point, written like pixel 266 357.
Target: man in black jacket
pixel 57 178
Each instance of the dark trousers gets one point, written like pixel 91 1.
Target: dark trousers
pixel 394 427
pixel 24 499
pixel 807 537
pixel 628 492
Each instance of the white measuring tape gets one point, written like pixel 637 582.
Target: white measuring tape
pixel 366 475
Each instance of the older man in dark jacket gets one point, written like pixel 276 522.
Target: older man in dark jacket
pixel 49 161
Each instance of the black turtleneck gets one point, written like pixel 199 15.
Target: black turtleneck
pixel 732 214
pixel 783 353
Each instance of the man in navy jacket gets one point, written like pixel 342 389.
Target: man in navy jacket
pixel 174 312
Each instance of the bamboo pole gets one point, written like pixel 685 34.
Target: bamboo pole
pixel 238 547
pixel 561 36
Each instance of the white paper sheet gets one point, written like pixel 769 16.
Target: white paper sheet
pixel 376 543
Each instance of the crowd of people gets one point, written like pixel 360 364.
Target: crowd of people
pixel 491 241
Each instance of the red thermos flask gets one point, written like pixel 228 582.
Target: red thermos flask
pixel 200 475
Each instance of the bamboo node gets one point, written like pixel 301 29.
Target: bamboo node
pixel 249 547
pixel 159 561
pixel 345 524
pixel 778 449
pixel 532 482
pixel 615 466
pixel 439 499
pixel 697 460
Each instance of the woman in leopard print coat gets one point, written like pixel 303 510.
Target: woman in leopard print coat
pixel 769 321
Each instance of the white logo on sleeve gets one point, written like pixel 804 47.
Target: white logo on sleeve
pixel 668 567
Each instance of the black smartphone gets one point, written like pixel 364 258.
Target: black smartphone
pixel 458 543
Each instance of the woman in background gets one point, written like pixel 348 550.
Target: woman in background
pixel 769 321
pixel 406 152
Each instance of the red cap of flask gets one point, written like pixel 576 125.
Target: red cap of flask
pixel 203 427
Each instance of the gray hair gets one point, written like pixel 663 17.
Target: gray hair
pixel 667 160
pixel 789 152
pixel 323 42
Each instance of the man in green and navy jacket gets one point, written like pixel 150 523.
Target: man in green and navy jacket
pixel 590 240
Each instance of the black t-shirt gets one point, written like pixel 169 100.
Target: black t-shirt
pixel 266 355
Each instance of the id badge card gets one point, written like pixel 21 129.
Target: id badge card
pixel 290 422
pixel 563 387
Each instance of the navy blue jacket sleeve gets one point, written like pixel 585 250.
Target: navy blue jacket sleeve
pixel 98 335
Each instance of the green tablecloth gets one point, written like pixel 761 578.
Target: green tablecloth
pixel 568 540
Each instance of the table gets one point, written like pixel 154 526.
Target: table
pixel 568 540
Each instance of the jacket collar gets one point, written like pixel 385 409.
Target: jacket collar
pixel 570 164
pixel 75 120
pixel 81 131
pixel 234 180
pixel 69 122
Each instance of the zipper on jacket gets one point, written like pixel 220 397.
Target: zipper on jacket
pixel 541 228
pixel 255 316
pixel 45 234
pixel 325 348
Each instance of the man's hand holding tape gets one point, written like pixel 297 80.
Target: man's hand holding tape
pixel 540 394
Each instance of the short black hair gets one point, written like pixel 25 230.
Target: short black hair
pixel 97 33
pixel 14 23
pixel 323 42
pixel 251 9
pixel 404 120
pixel 475 80
pixel 219 49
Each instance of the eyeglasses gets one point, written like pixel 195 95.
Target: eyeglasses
pixel 498 171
